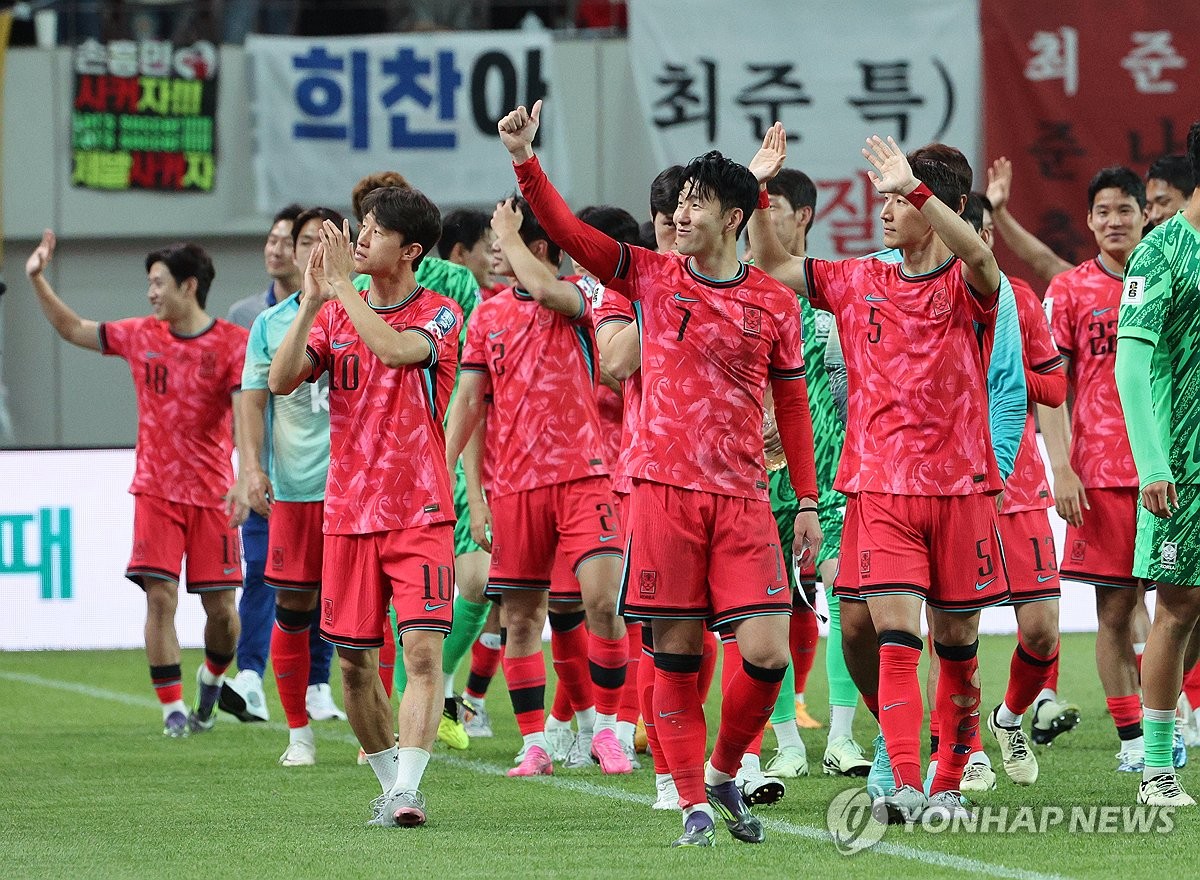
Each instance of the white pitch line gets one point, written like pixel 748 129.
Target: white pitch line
pixel 580 786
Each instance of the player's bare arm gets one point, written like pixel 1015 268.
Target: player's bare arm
pixel 253 487
pixel 769 253
pixel 478 510
pixel 1044 262
pixel 466 414
pixel 1070 499
pixel 70 326
pixel 620 350
pixel 394 348
pixel 290 366
pixel 891 174
pixel 236 507
pixel 533 274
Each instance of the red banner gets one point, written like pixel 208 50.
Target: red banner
pixel 1071 86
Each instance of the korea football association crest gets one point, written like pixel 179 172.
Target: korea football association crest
pixel 647 583
pixel 1168 555
pixel 751 321
pixel 208 364
pixel 939 303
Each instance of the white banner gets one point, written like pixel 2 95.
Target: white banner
pixel 329 111
pixel 718 76
pixel 66 525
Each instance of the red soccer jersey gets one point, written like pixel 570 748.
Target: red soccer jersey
pixel 1085 302
pixel 544 423
pixel 185 387
pixel 387 447
pixel 917 373
pixel 612 308
pixel 708 350
pixel 1027 488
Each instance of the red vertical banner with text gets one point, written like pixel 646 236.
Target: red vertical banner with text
pixel 1072 86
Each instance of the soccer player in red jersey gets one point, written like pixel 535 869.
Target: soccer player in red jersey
pixel 391 354
pixel 533 346
pixel 186 368
pixel 1095 479
pixel 910 335
pixel 702 547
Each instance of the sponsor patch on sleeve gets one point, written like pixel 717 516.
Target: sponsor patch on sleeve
pixel 1135 290
pixel 441 323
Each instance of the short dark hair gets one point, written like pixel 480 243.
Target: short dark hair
pixel 616 223
pixel 1175 170
pixel 317 213
pixel 798 188
pixel 664 191
pixel 646 236
pixel 945 170
pixel 374 181
pixel 712 176
pixel 186 260
pixel 972 212
pixel 1117 177
pixel 531 230
pixel 464 226
pixel 1193 148
pixel 288 212
pixel 407 211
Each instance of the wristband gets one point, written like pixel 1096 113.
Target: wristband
pixel 807 510
pixel 764 198
pixel 919 196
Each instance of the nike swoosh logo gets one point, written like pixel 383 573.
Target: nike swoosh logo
pixel 429 607
pixel 153 354
pixel 607 537
pixel 679 297
pixel 343 344
pixel 771 591
pixel 892 705
pixel 228 570
pixel 1098 312
pixel 495 333
pixel 1042 578
pixel 871 298
pixel 669 714
pixel 985 584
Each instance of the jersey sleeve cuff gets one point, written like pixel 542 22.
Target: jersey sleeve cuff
pixel 1140 333
pixel 313 362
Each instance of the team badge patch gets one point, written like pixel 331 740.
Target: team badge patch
pixel 441 323
pixel 647 583
pixel 1078 550
pixel 751 320
pixel 208 364
pixel 864 562
pixel 1168 555
pixel 939 303
pixel 327 606
pixel 277 558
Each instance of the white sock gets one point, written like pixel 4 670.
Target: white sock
pixel 177 706
pixel 586 719
pixel 603 722
pixel 1006 717
pixel 980 758
pixel 661 779
pixel 799 696
pixel 625 733
pixel 207 677
pixel 787 735
pixel 449 686
pixel 1046 694
pixel 490 640
pixel 751 761
pixel 536 739
pixel 841 722
pixel 410 767
pixel 301 734
pixel 713 776
pixel 1139 648
pixel 1138 744
pixel 553 723
pixel 384 765
pixel 932 771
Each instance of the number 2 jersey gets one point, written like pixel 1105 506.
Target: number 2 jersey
pixel 185 387
pixel 1085 306
pixel 387 467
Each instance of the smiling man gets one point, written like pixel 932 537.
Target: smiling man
pixel 186 367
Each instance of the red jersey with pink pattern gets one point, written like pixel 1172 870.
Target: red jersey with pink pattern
pixel 1027 487
pixel 916 365
pixel 709 348
pixel 1085 303
pixel 611 308
pixel 387 447
pixel 544 423
pixel 185 387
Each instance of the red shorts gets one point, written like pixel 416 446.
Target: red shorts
pixel 295 545
pixel 564 586
pixel 164 533
pixel 1029 556
pixel 577 520
pixel 845 582
pixel 1100 552
pixel 942 549
pixel 412 568
pixel 697 555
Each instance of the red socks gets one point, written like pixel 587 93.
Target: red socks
pixel 607 659
pixel 484 663
pixel 803 636
pixel 630 708
pixel 527 689
pixel 958 712
pixel 168 683
pixel 749 698
pixel 569 648
pixel 290 660
pixel 900 708
pixel 1191 685
pixel 1027 675
pixel 708 665
pixel 679 719
pixel 387 660
pixel 645 686
pixel 1126 714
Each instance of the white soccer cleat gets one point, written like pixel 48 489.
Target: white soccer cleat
pixel 243 697
pixel 299 754
pixel 668 795
pixel 844 757
pixel 977 777
pixel 788 763
pixel 1019 761
pixel 318 701
pixel 559 738
pixel 1164 791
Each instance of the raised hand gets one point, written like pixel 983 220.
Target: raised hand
pixel 314 276
pixel 42 255
pixel 892 172
pixel 507 217
pixel 771 155
pixel 999 185
pixel 517 131
pixel 338 252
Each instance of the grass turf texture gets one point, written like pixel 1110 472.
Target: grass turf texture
pixel 91 788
